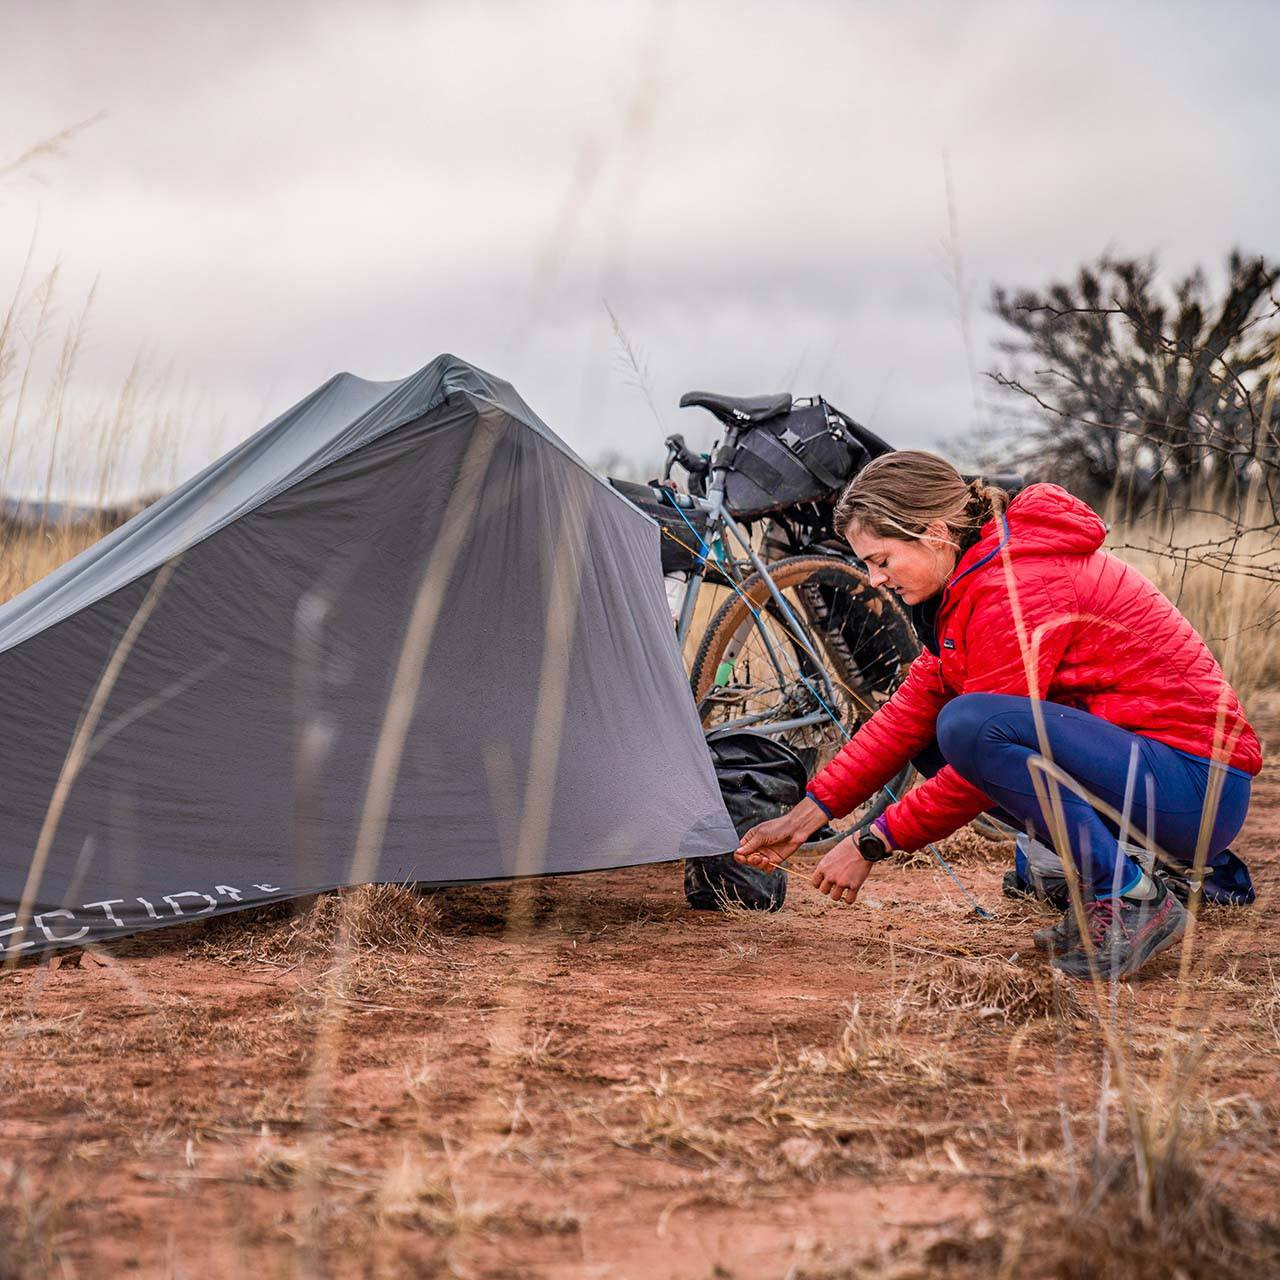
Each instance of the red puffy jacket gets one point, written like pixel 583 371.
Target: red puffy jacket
pixel 1098 635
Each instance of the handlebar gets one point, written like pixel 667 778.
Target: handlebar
pixel 677 451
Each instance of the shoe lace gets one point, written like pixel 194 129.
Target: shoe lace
pixel 1100 915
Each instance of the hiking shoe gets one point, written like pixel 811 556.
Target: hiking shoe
pixel 1059 937
pixel 1125 934
pixel 1177 880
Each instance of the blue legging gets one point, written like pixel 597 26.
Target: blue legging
pixel 988 738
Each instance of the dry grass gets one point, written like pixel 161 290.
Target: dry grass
pixel 992 988
pixel 1094 1230
pixel 355 944
pixel 869 1049
pixel 430 1196
pixel 31 1223
pixel 1101 1235
pixel 278 1164
pixel 417 1193
pixel 1234 605
pixel 869 1096
pixel 663 1106
pixel 27 555
pixel 1266 1009
pixel 1086 1227
pixel 532 1050
pixel 967 847
pixel 380 917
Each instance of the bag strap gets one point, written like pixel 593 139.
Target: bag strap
pixel 757 470
pixel 795 445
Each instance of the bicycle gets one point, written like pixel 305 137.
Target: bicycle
pixel 804 645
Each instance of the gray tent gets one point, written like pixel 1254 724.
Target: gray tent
pixel 401 634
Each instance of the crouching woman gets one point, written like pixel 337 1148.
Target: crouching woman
pixel 1058 689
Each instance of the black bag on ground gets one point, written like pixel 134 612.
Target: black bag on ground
pixel 805 455
pixel 684 533
pixel 759 778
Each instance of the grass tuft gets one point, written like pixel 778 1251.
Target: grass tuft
pixel 994 988
pixel 968 847
pixel 380 917
pixel 868 1049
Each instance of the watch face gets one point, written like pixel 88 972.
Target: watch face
pixel 873 849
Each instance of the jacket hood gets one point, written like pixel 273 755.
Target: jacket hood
pixel 1042 519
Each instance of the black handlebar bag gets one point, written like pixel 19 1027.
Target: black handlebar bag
pixel 806 455
pixel 684 532
pixel 759 779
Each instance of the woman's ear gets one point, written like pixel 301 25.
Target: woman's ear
pixel 938 533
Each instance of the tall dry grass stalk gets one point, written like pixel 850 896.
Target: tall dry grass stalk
pixel 62 442
pixel 1232 599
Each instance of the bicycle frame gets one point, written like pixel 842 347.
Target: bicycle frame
pixel 720 522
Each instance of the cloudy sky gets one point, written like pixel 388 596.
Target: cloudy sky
pixel 274 192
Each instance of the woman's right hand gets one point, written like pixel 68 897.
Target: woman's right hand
pixel 769 844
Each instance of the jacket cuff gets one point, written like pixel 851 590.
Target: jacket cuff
pixel 881 824
pixel 810 796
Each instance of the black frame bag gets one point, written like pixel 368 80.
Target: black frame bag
pixel 805 455
pixel 759 778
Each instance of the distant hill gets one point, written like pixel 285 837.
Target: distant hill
pixel 30 513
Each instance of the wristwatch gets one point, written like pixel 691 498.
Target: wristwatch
pixel 872 847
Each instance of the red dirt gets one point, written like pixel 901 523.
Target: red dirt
pixel 588 1092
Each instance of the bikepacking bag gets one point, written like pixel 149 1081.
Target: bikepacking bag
pixel 805 455
pixel 759 779
pixel 683 533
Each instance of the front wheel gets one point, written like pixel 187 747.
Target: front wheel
pixel 751 668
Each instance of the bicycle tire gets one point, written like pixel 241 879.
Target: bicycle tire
pixel 867 669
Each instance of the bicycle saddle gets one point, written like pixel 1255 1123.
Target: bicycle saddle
pixel 738 410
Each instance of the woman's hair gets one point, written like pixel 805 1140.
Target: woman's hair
pixel 900 494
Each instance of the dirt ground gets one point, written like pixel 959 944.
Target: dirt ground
pixel 583 1078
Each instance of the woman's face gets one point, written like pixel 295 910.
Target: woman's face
pixel 916 568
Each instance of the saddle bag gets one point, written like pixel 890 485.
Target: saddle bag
pixel 806 455
pixel 759 778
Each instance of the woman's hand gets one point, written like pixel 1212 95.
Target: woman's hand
pixel 842 872
pixel 769 844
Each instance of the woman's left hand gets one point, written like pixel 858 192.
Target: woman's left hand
pixel 842 872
